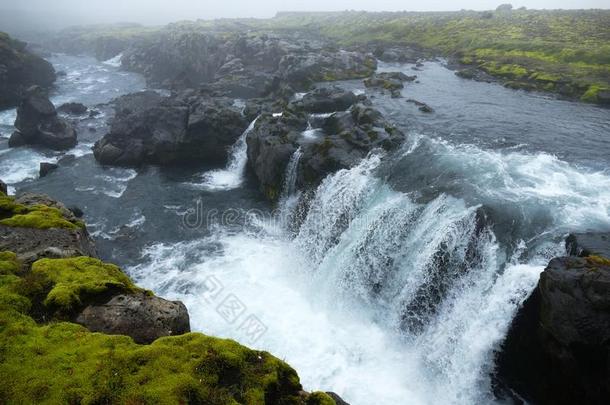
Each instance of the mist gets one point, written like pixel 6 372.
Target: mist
pixel 44 14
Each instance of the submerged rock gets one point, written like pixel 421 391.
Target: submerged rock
pixel 141 316
pixel 19 70
pixel 557 348
pixel 37 123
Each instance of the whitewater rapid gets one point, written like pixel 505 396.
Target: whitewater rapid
pixel 384 294
pixel 402 278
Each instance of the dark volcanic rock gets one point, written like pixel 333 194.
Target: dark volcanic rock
pixel 3 187
pixel 338 400
pixel 19 70
pixel 46 168
pixel 187 129
pixel 588 244
pixel 391 81
pixel 340 142
pixel 16 140
pixel 326 100
pixel 141 316
pixel 557 350
pixel 37 123
pixel 72 108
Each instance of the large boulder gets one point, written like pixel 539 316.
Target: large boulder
pixel 557 350
pixel 182 130
pixel 19 70
pixel 143 317
pixel 589 244
pixel 37 123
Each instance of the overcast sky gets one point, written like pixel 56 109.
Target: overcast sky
pixel 164 11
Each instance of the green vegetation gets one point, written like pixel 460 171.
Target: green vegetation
pixel 566 52
pixel 61 362
pixel 35 216
pixel 71 282
pixel 319 398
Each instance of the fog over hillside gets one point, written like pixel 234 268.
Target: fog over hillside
pixel 15 16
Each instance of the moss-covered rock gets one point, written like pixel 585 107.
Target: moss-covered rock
pixel 62 362
pixel 38 216
pixel 72 281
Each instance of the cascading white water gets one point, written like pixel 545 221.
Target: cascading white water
pixel 233 175
pixel 380 295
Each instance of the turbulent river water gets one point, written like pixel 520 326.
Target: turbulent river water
pixel 402 279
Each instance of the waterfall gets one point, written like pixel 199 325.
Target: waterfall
pixel 290 177
pixel 232 176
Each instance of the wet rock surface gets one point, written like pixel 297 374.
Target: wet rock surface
pixel 557 348
pixel 183 130
pixel 37 123
pixel 19 70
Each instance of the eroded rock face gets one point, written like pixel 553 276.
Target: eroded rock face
pixel 31 244
pixel 557 350
pixel 19 70
pixel 141 316
pixel 37 123
pixel 327 143
pixel 182 130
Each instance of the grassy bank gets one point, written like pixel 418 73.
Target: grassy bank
pixel 565 52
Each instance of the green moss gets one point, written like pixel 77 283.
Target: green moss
pixel 75 280
pixel 598 261
pixel 590 95
pixel 61 362
pixel 9 263
pixel 35 216
pixel 319 398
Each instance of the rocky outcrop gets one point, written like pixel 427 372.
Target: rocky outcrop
pixel 37 123
pixel 72 109
pixel 19 70
pixel 557 349
pixel 46 168
pixel 390 81
pixel 36 226
pixel 182 130
pixel 242 65
pixel 3 187
pixel 327 143
pixel 141 316
pixel 327 100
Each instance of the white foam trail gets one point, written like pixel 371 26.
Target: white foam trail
pixel 116 182
pixel 233 175
pixel 115 61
